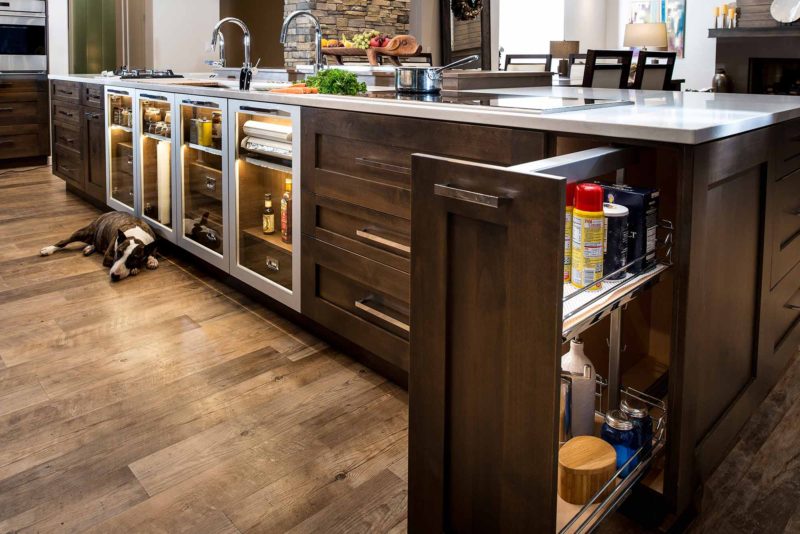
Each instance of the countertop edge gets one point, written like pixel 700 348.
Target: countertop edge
pixel 568 122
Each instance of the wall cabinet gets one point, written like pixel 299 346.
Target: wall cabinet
pixel 79 138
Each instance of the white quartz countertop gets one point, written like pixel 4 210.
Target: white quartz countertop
pixel 664 116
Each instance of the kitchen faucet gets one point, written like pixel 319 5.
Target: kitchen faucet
pixel 246 75
pixel 220 63
pixel 318 35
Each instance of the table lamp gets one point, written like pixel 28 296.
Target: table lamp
pixel 562 50
pixel 644 34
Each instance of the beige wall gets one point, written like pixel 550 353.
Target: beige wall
pixel 58 36
pixel 182 33
pixel 424 19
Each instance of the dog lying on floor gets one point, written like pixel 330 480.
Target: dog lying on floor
pixel 129 244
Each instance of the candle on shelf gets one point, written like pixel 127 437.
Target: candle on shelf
pixel 724 13
pixel 716 17
pixel 732 17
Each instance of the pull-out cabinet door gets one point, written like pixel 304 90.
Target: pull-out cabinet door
pixel 121 151
pixel 202 187
pixel 156 149
pixel 487 270
pixel 264 199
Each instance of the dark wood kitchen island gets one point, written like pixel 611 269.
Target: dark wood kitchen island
pixel 433 240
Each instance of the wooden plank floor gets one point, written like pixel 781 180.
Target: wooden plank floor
pixel 170 403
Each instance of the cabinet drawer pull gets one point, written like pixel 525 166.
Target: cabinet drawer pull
pixel 365 234
pixel 794 302
pixel 66 169
pixel 92 116
pixel 63 92
pixel 6 142
pixel 66 114
pixel 363 306
pixel 68 140
pixel 449 191
pixel 200 104
pixel 6 110
pixel 795 212
pixel 365 162
pixel 154 97
pixel 261 110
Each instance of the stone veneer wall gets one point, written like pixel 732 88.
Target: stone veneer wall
pixel 342 16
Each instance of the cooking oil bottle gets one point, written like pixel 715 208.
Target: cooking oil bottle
pixel 587 236
pixel 568 232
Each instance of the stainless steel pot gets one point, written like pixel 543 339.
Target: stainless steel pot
pixel 424 79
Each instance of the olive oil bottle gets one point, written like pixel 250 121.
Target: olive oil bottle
pixel 268 216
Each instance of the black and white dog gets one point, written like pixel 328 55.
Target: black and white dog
pixel 129 243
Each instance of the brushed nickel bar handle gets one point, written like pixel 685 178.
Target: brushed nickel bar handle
pixel 6 110
pixel 153 97
pixel 361 305
pixel 6 143
pixel 365 234
pixel 795 212
pixel 366 162
pixel 68 140
pixel 448 191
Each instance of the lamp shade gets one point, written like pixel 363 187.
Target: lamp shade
pixel 645 34
pixel 562 49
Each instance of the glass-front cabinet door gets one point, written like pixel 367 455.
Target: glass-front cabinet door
pixel 203 174
pixel 265 167
pixel 155 161
pixel 120 120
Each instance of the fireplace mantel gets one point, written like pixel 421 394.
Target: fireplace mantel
pixel 739 33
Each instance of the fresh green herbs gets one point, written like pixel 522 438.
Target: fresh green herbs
pixel 336 82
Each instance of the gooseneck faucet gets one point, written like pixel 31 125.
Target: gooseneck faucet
pixel 246 74
pixel 220 63
pixel 318 34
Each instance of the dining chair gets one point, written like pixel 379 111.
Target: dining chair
pixel 529 62
pixel 656 75
pixel 577 65
pixel 607 69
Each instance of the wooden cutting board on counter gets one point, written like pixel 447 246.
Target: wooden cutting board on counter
pixel 466 80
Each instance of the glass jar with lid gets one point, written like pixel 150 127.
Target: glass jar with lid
pixel 639 416
pixel 618 432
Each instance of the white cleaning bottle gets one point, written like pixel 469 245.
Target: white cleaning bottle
pixel 577 364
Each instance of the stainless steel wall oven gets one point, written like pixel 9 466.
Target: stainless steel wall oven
pixel 23 36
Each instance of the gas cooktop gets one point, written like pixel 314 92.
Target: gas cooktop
pixel 141 74
pixel 531 104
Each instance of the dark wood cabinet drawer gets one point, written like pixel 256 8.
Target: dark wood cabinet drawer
pixel 23 84
pixel 92 95
pixel 66 91
pixel 361 300
pixel 786 309
pixel 378 236
pixel 787 152
pixel 67 137
pixel 22 145
pixel 23 108
pixel 365 159
pixel 68 165
pixel 786 226
pixel 66 113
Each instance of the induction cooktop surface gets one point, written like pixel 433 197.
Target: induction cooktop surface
pixel 532 104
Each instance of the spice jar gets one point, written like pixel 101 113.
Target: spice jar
pixel 639 416
pixel 618 432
